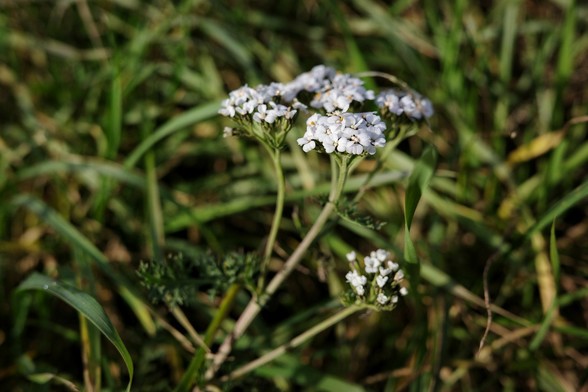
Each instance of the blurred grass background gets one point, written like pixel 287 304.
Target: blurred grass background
pixel 111 153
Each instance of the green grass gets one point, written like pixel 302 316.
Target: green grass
pixel 111 153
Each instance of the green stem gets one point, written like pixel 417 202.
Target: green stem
pixel 390 146
pixel 189 377
pixel 297 341
pixel 271 240
pixel 254 307
pixel 343 167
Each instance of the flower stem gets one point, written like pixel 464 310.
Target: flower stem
pixel 297 341
pixel 390 146
pixel 189 377
pixel 254 307
pixel 271 240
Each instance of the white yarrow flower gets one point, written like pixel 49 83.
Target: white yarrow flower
pixel 390 100
pixel 351 133
pixel 381 280
pixel 380 254
pixel 390 267
pixel 397 102
pixel 360 290
pixel 340 92
pixel 382 299
pixel 371 264
pixel 381 291
pixel 258 102
pixel 355 279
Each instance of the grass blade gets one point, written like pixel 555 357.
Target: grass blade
pixel 559 208
pixel 178 123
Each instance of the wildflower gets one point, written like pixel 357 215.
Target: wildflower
pixel 371 264
pixel 351 256
pixel 373 285
pixel 398 102
pixel 389 100
pixel 351 133
pixel 254 101
pixel 381 280
pixel 270 115
pixel 339 93
pixel 391 267
pixel 242 101
pixel 260 113
pixel 313 81
pixel 382 299
pixel 357 281
pixel 329 90
pixel 380 254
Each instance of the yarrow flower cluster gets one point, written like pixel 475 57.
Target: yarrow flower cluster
pixel 260 113
pixel 398 102
pixel 330 91
pixel 378 283
pixel 339 93
pixel 267 112
pixel 259 102
pixel 352 133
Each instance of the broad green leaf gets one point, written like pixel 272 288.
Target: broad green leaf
pixel 410 253
pixel 418 181
pixel 87 306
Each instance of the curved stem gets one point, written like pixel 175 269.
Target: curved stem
pixel 254 307
pixel 271 240
pixel 297 341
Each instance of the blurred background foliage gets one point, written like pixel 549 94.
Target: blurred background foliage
pixel 111 153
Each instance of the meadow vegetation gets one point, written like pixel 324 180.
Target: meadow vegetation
pixel 133 233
